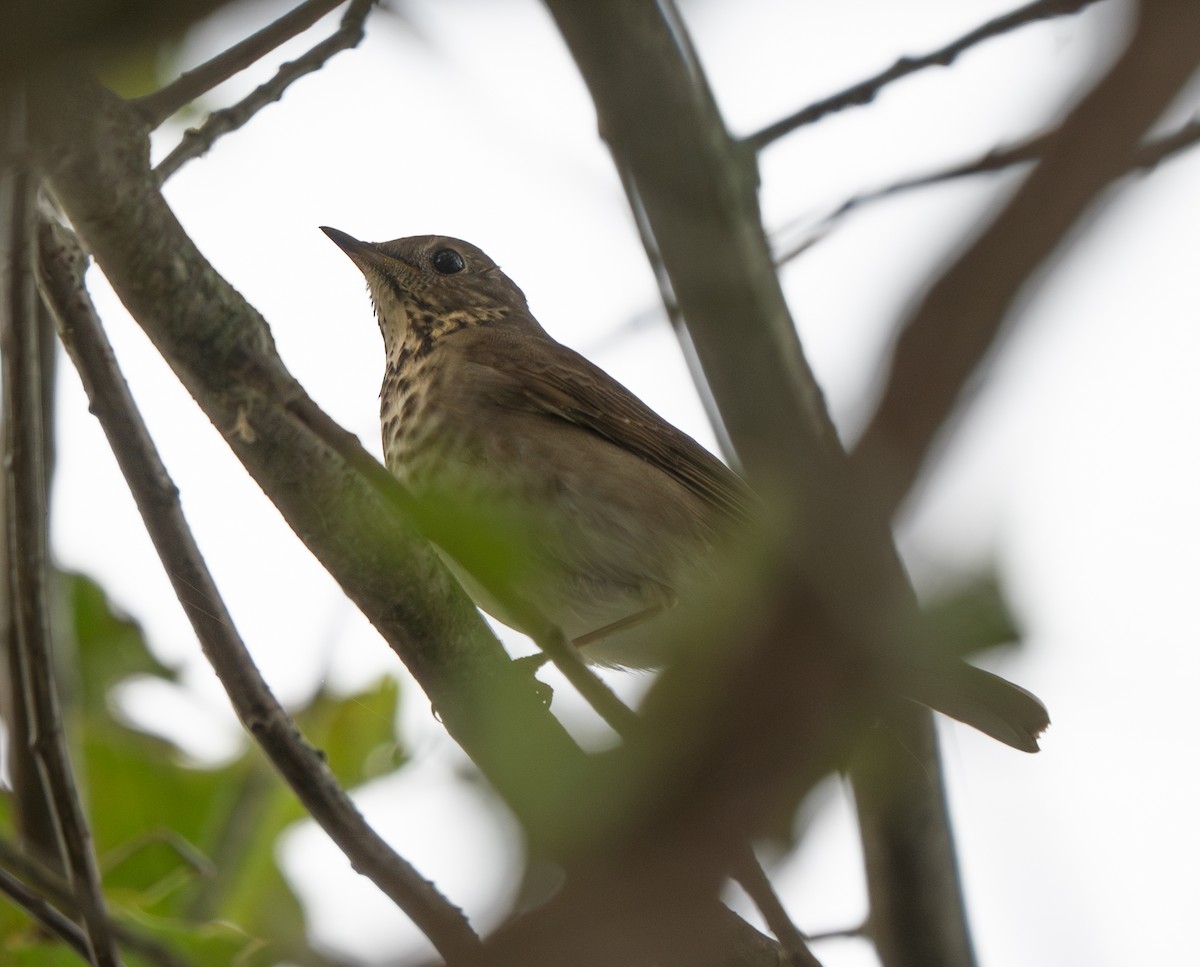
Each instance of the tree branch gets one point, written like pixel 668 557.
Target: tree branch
pixel 864 92
pixel 160 105
pixel 26 512
pixel 197 141
pixel 301 766
pixel 942 343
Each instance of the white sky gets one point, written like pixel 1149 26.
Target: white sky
pixel 1076 471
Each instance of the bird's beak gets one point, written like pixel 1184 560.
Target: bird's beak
pixel 365 255
pixel 349 244
pixel 372 261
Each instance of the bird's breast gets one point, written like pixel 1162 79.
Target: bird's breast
pixel 409 425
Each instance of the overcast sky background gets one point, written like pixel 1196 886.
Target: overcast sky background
pixel 1075 471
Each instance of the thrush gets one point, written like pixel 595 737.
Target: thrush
pixel 565 494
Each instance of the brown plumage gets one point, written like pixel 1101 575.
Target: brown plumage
pixel 587 504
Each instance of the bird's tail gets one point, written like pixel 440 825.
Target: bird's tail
pixel 982 700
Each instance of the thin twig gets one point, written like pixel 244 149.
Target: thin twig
pixel 1149 155
pixel 865 91
pixel 197 141
pixel 997 159
pixel 157 498
pixel 52 921
pixel 26 508
pixel 161 104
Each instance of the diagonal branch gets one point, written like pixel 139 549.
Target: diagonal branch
pixel 160 105
pixel 865 91
pixel 301 766
pixel 26 515
pixel 1149 155
pixel 197 141
pixel 943 342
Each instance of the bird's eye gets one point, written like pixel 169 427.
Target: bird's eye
pixel 447 261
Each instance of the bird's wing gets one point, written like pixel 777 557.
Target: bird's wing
pixel 546 377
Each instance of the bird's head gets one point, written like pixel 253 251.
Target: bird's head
pixel 431 283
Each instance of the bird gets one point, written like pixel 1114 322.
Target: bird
pixel 552 490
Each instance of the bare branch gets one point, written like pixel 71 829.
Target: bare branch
pixel 865 91
pixel 157 498
pixel 197 141
pixel 995 160
pixel 1149 155
pixel 27 513
pixel 955 325
pixel 160 105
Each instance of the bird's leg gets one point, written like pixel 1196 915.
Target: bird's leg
pixel 666 599
pixel 534 662
pixel 619 625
